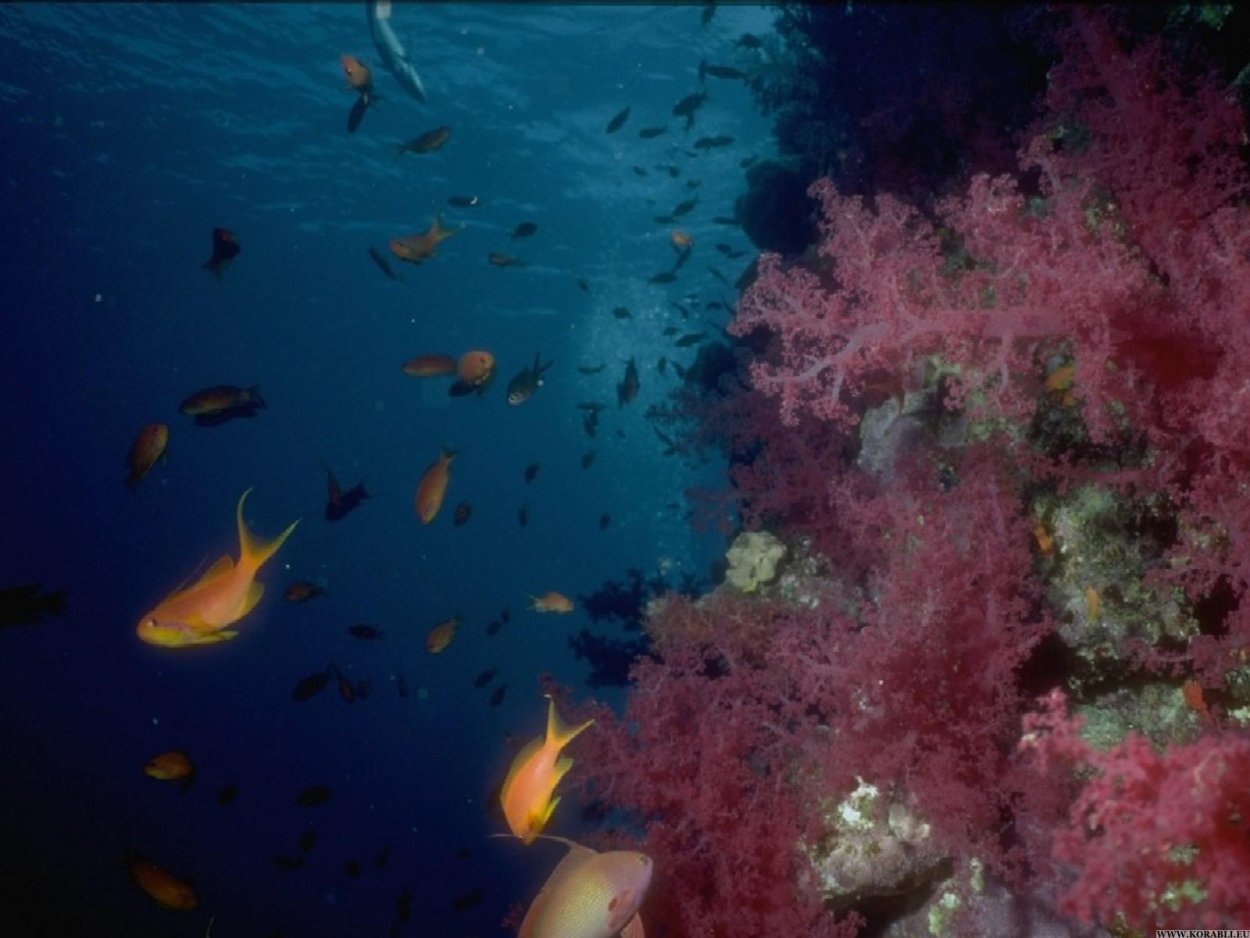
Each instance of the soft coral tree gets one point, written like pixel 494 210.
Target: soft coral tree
pixel 758 716
pixel 1123 252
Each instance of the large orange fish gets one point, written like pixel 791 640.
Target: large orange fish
pixel 532 778
pixel 200 613
pixel 148 447
pixel 432 488
pixel 421 247
pixel 590 895
pixel 168 891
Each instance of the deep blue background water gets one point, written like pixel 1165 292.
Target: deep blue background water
pixel 128 134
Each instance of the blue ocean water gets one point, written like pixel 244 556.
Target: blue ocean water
pixel 129 133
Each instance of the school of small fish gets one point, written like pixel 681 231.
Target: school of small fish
pixel 588 894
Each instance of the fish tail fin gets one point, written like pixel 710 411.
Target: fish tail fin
pixel 253 552
pixel 253 396
pixel 557 730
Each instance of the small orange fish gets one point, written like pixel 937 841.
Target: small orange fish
pixel 430 366
pixel 535 772
pixel 148 447
pixel 168 891
pixel 428 142
pixel 359 77
pixel 225 249
pixel 200 613
pixel 590 895
pixel 172 766
pixel 681 241
pixel 301 591
pixel 421 247
pixel 432 488
pixel 474 372
pixel 440 636
pixel 219 403
pixel 551 601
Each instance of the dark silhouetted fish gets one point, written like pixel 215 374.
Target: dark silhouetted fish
pixel 383 264
pixel 496 697
pixel 27 605
pixel 225 249
pixel 468 900
pixel 314 795
pixel 311 686
pixel 485 678
pixel 340 504
pixel 617 122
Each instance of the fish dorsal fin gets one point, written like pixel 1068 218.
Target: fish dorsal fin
pixel 221 566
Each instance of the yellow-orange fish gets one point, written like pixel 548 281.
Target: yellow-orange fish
pixel 475 370
pixel 359 77
pixel 590 895
pixel 200 613
pixel 551 601
pixel 440 636
pixel 421 247
pixel 532 778
pixel 168 891
pixel 430 366
pixel 432 488
pixel 148 447
pixel 172 766
pixel 302 590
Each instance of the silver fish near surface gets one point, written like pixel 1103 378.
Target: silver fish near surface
pixel 390 49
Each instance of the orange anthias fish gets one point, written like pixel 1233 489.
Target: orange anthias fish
pixel 535 772
pixel 430 366
pixel 551 601
pixel 432 488
pixel 172 766
pixel 440 636
pixel 590 895
pixel 148 447
pixel 359 77
pixel 225 249
pixel 200 613
pixel 474 372
pixel 168 891
pixel 421 247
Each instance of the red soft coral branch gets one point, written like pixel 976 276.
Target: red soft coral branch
pixel 1160 838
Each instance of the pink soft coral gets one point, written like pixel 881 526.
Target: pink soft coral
pixel 1160 838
